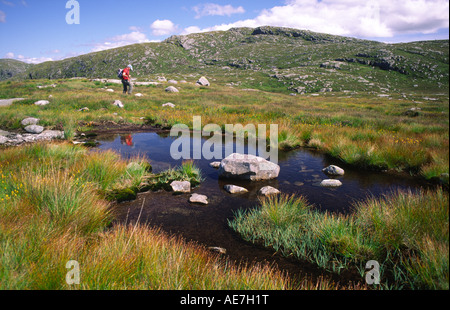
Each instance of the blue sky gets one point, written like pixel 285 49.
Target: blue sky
pixel 36 30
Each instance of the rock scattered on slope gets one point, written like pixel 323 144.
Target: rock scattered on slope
pixel 35 129
pixel 203 82
pixel 30 121
pixel 172 89
pixel 42 102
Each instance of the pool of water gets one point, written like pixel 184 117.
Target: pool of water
pixel 301 171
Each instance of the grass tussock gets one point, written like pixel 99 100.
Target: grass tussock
pixel 407 233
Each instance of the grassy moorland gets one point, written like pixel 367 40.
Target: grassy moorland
pixel 362 130
pixel 55 196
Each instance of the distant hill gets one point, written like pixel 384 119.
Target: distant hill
pixel 12 67
pixel 272 58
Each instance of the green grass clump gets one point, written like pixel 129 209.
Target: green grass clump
pixel 407 233
pixel 186 172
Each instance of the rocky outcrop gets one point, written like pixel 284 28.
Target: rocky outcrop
pixel 14 139
pixel 248 167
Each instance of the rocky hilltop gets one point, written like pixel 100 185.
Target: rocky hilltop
pixel 271 58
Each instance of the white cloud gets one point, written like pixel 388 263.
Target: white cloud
pixel 2 17
pixel 163 27
pixel 213 9
pixel 121 40
pixel 373 18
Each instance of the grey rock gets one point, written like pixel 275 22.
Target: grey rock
pixel 168 104
pixel 3 140
pixel 268 190
pixel 333 170
pixel 172 82
pixel 30 121
pixel 42 102
pixel 215 164
pixel 248 167
pixel 172 89
pixel 331 183
pixel 8 102
pixel 34 129
pixel 118 103
pixel 181 186
pixel 234 189
pixel 203 82
pixel 196 198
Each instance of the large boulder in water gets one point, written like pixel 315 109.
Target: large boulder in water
pixel 248 167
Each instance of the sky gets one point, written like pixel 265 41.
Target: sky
pixel 35 31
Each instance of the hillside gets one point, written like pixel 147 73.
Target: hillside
pixel 271 58
pixel 12 67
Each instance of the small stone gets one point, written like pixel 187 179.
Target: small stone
pixel 333 170
pixel 110 90
pixel 172 89
pixel 30 121
pixel 203 82
pixel 168 104
pixel 85 109
pixel 34 129
pixel 268 190
pixel 233 189
pixel 42 102
pixel 118 103
pixel 139 95
pixel 215 164
pixel 196 198
pixel 181 186
pixel 330 183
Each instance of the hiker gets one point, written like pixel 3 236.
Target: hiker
pixel 126 80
